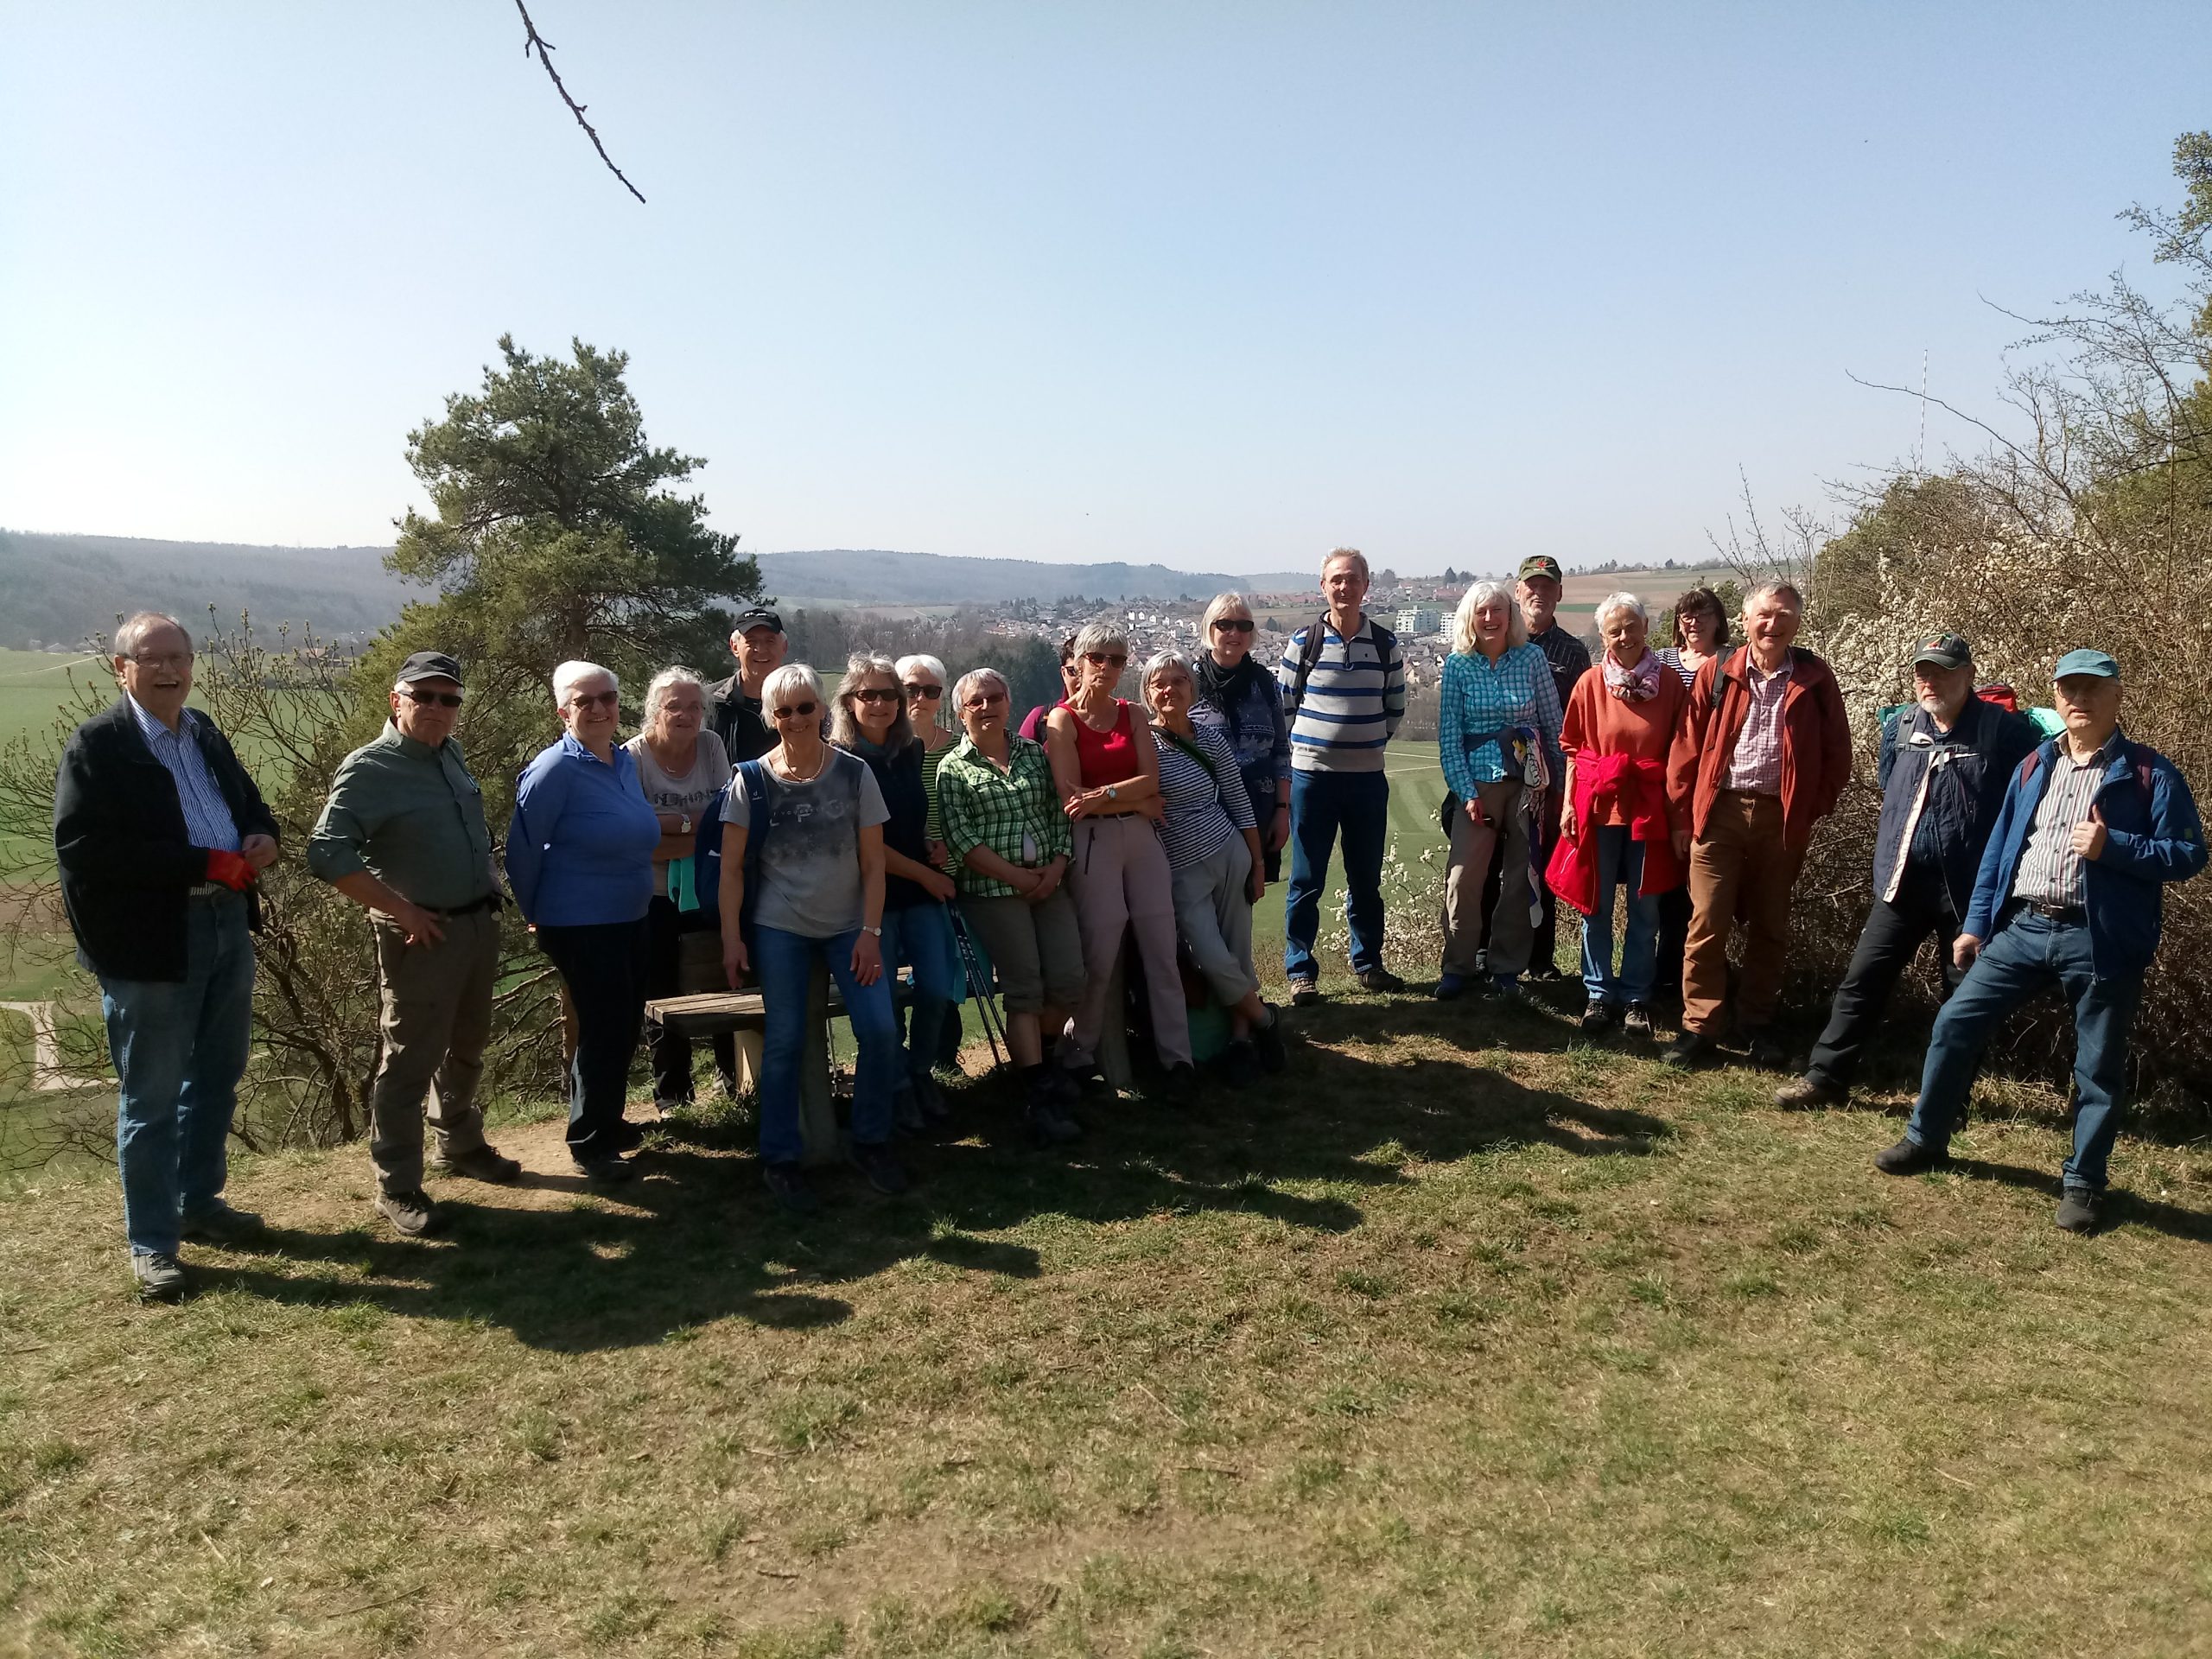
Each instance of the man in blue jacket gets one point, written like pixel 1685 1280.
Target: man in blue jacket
pixel 2068 893
pixel 1946 760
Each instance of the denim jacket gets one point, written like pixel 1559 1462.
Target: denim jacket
pixel 1945 788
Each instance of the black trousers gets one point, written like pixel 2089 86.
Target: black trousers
pixel 604 966
pixel 1675 908
pixel 1894 932
pixel 665 926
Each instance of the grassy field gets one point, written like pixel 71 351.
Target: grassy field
pixel 1465 1337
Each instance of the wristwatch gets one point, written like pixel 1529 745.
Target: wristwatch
pixel 685 828
pixel 1112 792
pixel 877 932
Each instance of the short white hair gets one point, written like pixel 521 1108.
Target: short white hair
pixel 1160 663
pixel 975 678
pixel 1352 553
pixel 134 627
pixel 782 681
pixel 1481 594
pixel 1102 637
pixel 1774 587
pixel 1612 602
pixel 573 673
pixel 665 682
pixel 928 665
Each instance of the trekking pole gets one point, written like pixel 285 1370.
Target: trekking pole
pixel 980 987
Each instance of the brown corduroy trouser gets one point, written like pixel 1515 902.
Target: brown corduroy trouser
pixel 1740 871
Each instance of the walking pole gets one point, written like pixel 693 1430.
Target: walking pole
pixel 980 987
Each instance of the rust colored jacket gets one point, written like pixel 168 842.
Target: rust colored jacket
pixel 1815 743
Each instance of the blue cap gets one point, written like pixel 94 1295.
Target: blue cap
pixel 2085 661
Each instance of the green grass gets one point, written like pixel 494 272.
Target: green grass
pixel 1466 1337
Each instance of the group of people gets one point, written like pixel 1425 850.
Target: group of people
pixel 859 835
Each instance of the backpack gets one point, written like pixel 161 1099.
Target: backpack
pixel 1317 635
pixel 707 846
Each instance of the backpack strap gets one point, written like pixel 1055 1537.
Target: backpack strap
pixel 1317 633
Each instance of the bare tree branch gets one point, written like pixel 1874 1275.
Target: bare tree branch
pixel 533 41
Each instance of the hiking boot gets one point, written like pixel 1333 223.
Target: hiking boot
pixel 1181 1086
pixel 217 1224
pixel 1382 980
pixel 1690 1050
pixel 1449 987
pixel 1500 987
pixel 786 1184
pixel 1305 993
pixel 927 1096
pixel 1766 1052
pixel 1051 1124
pixel 1546 973
pixel 479 1164
pixel 624 1136
pixel 1909 1157
pixel 161 1276
pixel 606 1172
pixel 1598 1015
pixel 411 1214
pixel 1636 1022
pixel 1239 1065
pixel 1267 1044
pixel 884 1171
pixel 1803 1094
pixel 2081 1211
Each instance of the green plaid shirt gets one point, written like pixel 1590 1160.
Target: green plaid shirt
pixel 983 806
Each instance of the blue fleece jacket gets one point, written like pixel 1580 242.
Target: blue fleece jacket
pixel 580 847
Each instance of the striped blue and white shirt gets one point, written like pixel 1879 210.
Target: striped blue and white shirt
pixel 207 820
pixel 1354 700
pixel 1203 809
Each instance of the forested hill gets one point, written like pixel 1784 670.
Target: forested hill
pixel 67 587
pixel 876 578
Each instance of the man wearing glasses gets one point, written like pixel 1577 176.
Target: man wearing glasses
pixel 161 836
pixel 402 835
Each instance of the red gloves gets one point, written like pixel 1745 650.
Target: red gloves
pixel 229 868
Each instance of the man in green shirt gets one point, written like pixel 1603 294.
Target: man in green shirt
pixel 402 835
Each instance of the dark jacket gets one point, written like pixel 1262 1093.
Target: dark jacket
pixel 2152 837
pixel 1965 771
pixel 898 777
pixel 119 838
pixel 1815 743
pixel 739 723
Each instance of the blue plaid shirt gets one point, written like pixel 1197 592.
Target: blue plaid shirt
pixel 1477 698
pixel 207 818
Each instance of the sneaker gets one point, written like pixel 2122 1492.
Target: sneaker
pixel 1546 973
pixel 1382 980
pixel 1598 1015
pixel 1636 1022
pixel 1766 1051
pixel 1909 1157
pixel 1690 1049
pixel 786 1184
pixel 884 1171
pixel 1449 987
pixel 161 1276
pixel 1304 993
pixel 1181 1086
pixel 1051 1124
pixel 1267 1044
pixel 1803 1094
pixel 217 1224
pixel 411 1214
pixel 480 1164
pixel 1500 987
pixel 2081 1211
pixel 666 1106
pixel 607 1171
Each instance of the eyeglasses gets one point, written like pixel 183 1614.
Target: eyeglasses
pixel 594 699
pixel 985 699
pixel 797 711
pixel 442 699
pixel 876 694
pixel 1234 623
pixel 1106 659
pixel 167 659
pixel 916 689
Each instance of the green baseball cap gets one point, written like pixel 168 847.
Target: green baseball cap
pixel 1541 564
pixel 2085 661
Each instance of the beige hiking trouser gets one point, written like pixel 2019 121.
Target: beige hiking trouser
pixel 436 1004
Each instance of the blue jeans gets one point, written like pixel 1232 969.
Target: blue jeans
pixel 784 964
pixel 1323 806
pixel 920 936
pixel 2028 952
pixel 180 1050
pixel 1620 864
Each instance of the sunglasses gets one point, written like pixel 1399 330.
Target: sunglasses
pixel 797 711
pixel 1106 659
pixel 592 699
pixel 985 699
pixel 441 699
pixel 876 694
pixel 1234 623
pixel 916 689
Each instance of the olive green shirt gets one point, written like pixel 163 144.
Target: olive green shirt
pixel 411 816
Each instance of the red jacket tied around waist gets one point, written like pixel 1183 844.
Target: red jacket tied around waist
pixel 1618 749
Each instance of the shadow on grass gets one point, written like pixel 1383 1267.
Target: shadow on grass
pixel 2122 1206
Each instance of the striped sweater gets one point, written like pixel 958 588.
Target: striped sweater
pixel 1353 702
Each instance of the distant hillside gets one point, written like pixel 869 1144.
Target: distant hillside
pixel 848 576
pixel 67 587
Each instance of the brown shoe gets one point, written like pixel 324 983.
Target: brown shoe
pixel 410 1214
pixel 1803 1094
pixel 479 1164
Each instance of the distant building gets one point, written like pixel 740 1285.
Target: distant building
pixel 1419 622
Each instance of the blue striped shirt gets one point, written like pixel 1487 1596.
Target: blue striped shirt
pixel 208 820
pixel 1479 695
pixel 1353 702
pixel 1203 809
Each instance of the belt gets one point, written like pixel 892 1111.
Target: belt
pixel 207 891
pixel 2071 915
pixel 490 901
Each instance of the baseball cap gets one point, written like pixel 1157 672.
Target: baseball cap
pixel 759 617
pixel 1541 564
pixel 429 665
pixel 1945 651
pixel 2086 661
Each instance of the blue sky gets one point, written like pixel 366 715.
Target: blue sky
pixel 1219 285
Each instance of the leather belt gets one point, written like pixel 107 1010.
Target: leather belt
pixel 2073 915
pixel 489 901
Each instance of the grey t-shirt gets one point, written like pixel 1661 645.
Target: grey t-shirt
pixel 690 794
pixel 810 863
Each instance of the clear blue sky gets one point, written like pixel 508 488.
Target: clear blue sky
pixel 1219 285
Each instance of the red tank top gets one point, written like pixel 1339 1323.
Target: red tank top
pixel 1107 757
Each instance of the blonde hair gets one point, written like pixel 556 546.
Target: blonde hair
pixel 1463 620
pixel 1222 604
pixel 844 725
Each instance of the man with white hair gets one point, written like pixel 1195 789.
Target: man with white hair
pixel 162 838
pixel 758 643
pixel 403 835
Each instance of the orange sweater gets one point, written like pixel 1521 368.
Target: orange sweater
pixel 1600 723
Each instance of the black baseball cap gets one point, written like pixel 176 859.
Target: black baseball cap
pixel 429 665
pixel 1541 564
pixel 1944 650
pixel 759 617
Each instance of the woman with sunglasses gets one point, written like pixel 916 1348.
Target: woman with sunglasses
pixel 1109 781
pixel 871 722
pixel 1239 698
pixel 580 860
pixel 1009 842
pixel 819 867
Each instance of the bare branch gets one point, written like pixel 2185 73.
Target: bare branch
pixel 533 41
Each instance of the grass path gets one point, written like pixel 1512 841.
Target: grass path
pixel 1466 1338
